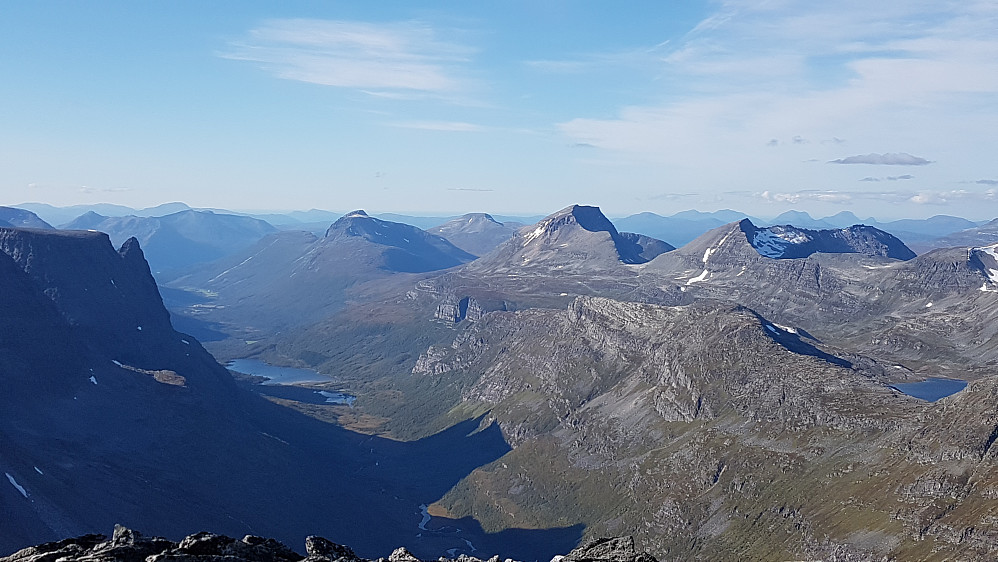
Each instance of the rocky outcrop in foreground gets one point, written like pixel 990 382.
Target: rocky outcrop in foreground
pixel 127 545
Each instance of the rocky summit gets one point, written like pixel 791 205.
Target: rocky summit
pixel 127 545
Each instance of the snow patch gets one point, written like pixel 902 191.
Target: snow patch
pixel 93 379
pixel 16 485
pixel 185 342
pixel 707 253
pixel 787 329
pixel 771 328
pixel 698 278
pixel 928 305
pixel 772 242
pixel 791 235
pixel 534 234
pixel 39 471
pixel 768 244
pixel 985 289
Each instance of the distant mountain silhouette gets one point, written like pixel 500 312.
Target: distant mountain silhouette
pixel 180 239
pixel 475 233
pixel 20 218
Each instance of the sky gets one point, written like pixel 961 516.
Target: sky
pixel 888 109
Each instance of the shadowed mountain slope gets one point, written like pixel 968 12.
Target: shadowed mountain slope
pixel 109 415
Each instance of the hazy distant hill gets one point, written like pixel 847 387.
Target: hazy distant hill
pixel 61 215
pixel 475 233
pixel 294 276
pixel 20 218
pixel 983 235
pixel 180 239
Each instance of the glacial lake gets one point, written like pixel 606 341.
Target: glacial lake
pixel 931 389
pixel 281 380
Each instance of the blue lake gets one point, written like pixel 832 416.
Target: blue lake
pixel 281 380
pixel 931 389
pixel 275 374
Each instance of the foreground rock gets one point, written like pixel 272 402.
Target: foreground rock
pixel 127 545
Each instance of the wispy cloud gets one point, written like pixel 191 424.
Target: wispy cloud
pixel 743 91
pixel 447 126
pixel 807 195
pixel 394 57
pixel 889 159
pixel 91 190
pixel 953 196
pixel 924 197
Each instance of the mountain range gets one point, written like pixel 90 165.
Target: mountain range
pixel 739 397
pixel 179 239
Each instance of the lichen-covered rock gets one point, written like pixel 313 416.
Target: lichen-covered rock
pixel 127 545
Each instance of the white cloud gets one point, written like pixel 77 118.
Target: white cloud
pixel 953 196
pixel 920 74
pixel 406 56
pixel 925 197
pixel 808 195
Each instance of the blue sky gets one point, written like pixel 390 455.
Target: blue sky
pixel 888 109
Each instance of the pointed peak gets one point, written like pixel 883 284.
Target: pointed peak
pixel 130 249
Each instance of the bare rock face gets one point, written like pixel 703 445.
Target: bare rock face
pixel 577 238
pixel 127 545
pixel 619 549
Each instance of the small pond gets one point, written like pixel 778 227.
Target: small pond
pixel 931 389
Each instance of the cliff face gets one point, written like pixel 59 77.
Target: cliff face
pixel 718 435
pixel 109 294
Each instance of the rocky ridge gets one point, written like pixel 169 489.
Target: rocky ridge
pixel 126 545
pixel 708 427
